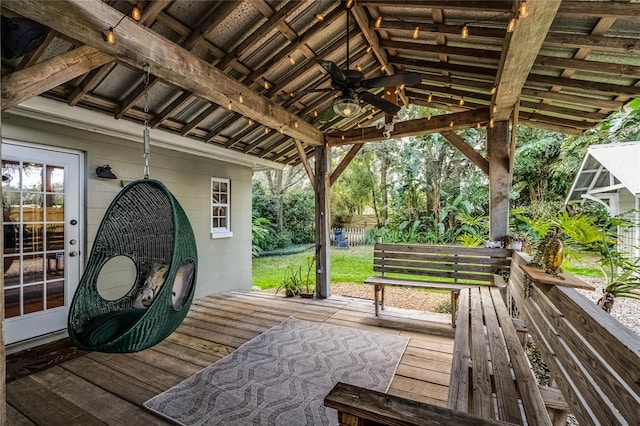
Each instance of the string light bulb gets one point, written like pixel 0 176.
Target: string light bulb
pixel 240 98
pixel 378 22
pixel 108 36
pixel 512 25
pixel 266 84
pixel 383 67
pixel 250 122
pixel 342 137
pixel 416 32
pixel 477 125
pixel 359 67
pixel 319 16
pixel 295 124
pixel 429 117
pixel 229 107
pixel 495 109
pixel 266 130
pixel 349 4
pixel 524 10
pixel 451 123
pixel 430 98
pixel 281 130
pixel 491 123
pixel 292 60
pixel 135 13
pixel 315 112
pixel 493 90
pixel 465 31
pixel 461 102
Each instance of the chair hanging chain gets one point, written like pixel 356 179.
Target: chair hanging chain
pixel 146 72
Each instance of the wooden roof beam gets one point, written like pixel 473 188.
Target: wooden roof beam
pixel 516 61
pixel 474 156
pixel 362 19
pixel 41 77
pixel 85 21
pixel 494 5
pixel 618 10
pixel 436 123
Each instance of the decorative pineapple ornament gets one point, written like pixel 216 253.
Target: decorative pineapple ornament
pixel 550 253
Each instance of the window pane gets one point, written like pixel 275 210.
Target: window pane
pixel 55 237
pixel 33 268
pixel 55 264
pixel 11 238
pixel 11 270
pixel 215 186
pixel 11 206
pixel 223 187
pixel 33 298
pixel 215 198
pixel 12 302
pixel 55 294
pixel 32 210
pixel 32 238
pixel 55 179
pixel 223 198
pixel 32 177
pixel 223 222
pixel 10 175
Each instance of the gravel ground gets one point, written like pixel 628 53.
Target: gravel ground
pixel 398 297
pixel 625 310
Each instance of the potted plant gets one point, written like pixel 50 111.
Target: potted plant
pixel 518 241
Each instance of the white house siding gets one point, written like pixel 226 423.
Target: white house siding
pixel 628 240
pixel 224 264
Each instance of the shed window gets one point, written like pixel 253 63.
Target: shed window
pixel 220 208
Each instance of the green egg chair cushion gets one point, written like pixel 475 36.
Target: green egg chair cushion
pixel 107 326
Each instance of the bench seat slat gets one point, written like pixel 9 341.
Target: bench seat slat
pixel 508 407
pixel 481 380
pixel 459 382
pixel 424 248
pixel 441 274
pixel 447 266
pixel 405 282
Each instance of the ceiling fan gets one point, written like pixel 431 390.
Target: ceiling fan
pixel 353 87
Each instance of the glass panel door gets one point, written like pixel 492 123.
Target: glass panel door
pixel 40 200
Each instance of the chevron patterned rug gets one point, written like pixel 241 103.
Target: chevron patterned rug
pixel 282 376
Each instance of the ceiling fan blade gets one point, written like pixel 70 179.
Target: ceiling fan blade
pixel 337 76
pixel 406 78
pixel 379 103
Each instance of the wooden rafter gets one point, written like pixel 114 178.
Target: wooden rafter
pixel 474 156
pixel 305 162
pixel 516 62
pixel 372 38
pixel 80 20
pixel 344 163
pixel 27 83
pixel 437 123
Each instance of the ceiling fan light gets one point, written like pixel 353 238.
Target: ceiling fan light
pixel 346 107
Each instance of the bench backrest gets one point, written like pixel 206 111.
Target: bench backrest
pixel 447 264
pixel 594 359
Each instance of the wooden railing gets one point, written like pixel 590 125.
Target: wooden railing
pixel 594 359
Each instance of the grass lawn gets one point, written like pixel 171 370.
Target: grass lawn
pixel 352 265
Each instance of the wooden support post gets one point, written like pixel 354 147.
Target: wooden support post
pixel 323 219
pixel 500 174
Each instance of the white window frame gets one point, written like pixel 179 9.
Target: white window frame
pixel 221 232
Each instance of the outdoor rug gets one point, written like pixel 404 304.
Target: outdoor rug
pixel 282 376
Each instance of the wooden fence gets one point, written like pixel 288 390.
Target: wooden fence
pixel 355 237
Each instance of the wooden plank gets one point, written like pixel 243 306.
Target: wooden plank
pixel 42 406
pixel 527 384
pixel 567 280
pixel 92 399
pixel 420 126
pixel 458 398
pixel 15 418
pixel 117 383
pixel 380 256
pixel 459 250
pixel 84 21
pixel 387 409
pixel 516 62
pixel 481 402
pixel 448 276
pixel 506 395
pixel 41 77
pixel 429 266
pixel 400 282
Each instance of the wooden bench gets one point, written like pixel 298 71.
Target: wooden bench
pixel 490 373
pixel 594 360
pixel 449 268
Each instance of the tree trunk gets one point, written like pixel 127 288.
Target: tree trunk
pixel 606 301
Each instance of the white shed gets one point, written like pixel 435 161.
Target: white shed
pixel 610 175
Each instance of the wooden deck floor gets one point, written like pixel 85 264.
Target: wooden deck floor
pixel 110 389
